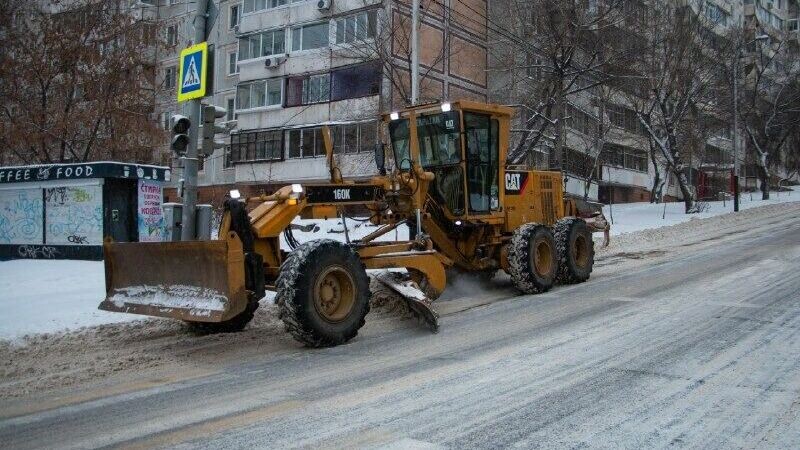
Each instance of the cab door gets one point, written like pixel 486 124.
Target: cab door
pixel 481 133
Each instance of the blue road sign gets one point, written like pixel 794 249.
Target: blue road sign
pixel 192 74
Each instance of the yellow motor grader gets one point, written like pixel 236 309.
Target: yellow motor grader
pixel 465 209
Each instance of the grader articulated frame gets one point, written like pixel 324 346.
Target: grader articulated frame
pixel 464 208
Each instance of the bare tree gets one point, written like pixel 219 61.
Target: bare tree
pixel 77 81
pixel 547 52
pixel 677 79
pixel 770 108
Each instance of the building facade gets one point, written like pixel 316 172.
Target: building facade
pixel 613 165
pixel 284 68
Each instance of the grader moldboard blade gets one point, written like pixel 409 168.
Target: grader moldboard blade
pixel 417 301
pixel 199 281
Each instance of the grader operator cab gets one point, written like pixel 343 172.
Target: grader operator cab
pixel 465 209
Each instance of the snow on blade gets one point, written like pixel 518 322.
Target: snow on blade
pixel 173 296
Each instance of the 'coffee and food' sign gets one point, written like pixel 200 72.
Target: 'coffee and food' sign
pixel 78 171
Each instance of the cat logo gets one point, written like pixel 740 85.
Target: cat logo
pixel 341 194
pixel 515 182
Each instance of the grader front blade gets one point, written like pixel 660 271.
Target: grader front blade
pixel 200 281
pixel 417 301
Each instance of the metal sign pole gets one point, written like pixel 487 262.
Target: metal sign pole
pixel 190 161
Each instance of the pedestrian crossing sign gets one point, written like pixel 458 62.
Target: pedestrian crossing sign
pixel 192 72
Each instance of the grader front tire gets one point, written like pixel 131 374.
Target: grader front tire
pixel 323 293
pixel 532 258
pixel 575 250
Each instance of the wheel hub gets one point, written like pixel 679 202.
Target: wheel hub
pixel 580 251
pixel 334 294
pixel 542 257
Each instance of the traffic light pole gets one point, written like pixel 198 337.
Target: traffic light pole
pixel 190 161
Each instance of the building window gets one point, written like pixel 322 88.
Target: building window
pixel 308 89
pixel 362 80
pixel 259 93
pixel 624 118
pixel 227 161
pixel 233 66
pixel 357 27
pixel 309 37
pixel 257 146
pixel 355 137
pixel 169 77
pixel 305 143
pixel 716 14
pixel 166 119
pixel 624 157
pixel 234 17
pixel 172 35
pixel 259 5
pixel 262 44
pixel 231 105
pixel 581 121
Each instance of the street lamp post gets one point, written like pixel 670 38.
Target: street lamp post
pixel 736 57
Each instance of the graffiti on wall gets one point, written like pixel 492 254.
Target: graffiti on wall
pixel 21 216
pixel 74 215
pixel 152 227
pixel 37 251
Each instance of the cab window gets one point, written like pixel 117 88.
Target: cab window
pixel 439 140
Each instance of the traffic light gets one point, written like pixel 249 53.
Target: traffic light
pixel 210 114
pixel 180 134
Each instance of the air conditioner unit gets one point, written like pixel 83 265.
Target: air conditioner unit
pixel 324 5
pixel 275 61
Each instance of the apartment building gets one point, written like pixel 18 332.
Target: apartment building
pixel 624 172
pixel 285 68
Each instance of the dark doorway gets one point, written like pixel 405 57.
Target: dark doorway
pixel 119 210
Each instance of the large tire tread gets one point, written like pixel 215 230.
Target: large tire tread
pixel 564 232
pixel 521 269
pixel 292 287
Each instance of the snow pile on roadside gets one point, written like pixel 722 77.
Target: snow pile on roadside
pixel 45 361
pixel 38 296
pixel 697 229
pixel 631 217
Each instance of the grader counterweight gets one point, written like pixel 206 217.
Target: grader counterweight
pixel 449 184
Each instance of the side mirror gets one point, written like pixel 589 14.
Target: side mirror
pixel 380 158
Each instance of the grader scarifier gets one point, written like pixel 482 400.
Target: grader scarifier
pixel 465 209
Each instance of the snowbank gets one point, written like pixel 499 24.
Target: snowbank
pixel 39 296
pixel 630 217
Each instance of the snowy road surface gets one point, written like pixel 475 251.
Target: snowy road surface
pixel 694 344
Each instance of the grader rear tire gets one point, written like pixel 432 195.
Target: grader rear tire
pixel 532 258
pixel 575 250
pixel 323 293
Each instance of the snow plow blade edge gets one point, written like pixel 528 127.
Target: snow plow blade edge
pixel 416 300
pixel 200 281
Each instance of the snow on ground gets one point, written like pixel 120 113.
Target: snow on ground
pixel 630 217
pixel 39 296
